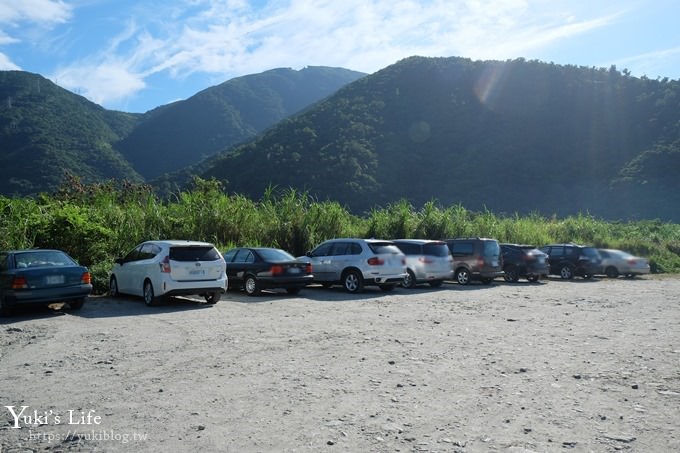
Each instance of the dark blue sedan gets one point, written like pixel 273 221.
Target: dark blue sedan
pixel 41 276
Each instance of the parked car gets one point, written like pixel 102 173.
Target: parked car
pixel 569 260
pixel 475 259
pixel 618 262
pixel 157 270
pixel 523 261
pixel 427 261
pixel 258 268
pixel 354 263
pixel 41 276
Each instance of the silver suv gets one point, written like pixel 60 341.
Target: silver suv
pixel 354 263
pixel 427 261
pixel 156 270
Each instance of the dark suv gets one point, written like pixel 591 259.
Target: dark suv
pixel 523 261
pixel 475 259
pixel 569 260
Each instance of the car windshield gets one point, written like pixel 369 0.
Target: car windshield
pixel 194 253
pixel 436 249
pixel 42 258
pixel 275 255
pixel 384 247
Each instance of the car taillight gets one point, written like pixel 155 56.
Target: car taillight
pixel 308 268
pixel 480 262
pixel 165 265
pixel 375 261
pixel 86 278
pixel 425 260
pixel 276 270
pixel 632 262
pixel 19 282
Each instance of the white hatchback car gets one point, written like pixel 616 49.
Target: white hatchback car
pixel 156 270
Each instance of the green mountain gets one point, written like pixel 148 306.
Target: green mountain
pixel 178 135
pixel 514 136
pixel 46 131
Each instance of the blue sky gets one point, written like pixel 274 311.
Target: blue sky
pixel 134 55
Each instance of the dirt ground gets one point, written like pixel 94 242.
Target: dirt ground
pixel 554 366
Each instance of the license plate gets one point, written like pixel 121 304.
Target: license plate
pixel 294 270
pixel 197 272
pixel 54 279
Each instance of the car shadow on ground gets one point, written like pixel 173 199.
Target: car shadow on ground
pixel 107 307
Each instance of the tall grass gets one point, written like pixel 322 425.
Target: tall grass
pixel 97 223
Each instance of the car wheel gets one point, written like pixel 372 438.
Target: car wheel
pixel 77 304
pixel 113 287
pixel 409 279
pixel 566 272
pixel 463 276
pixel 251 286
pixel 436 283
pixel 149 296
pixel 533 278
pixel 386 288
pixel 611 272
pixel 511 274
pixel 353 282
pixel 212 298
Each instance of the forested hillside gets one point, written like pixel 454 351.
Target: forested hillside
pixel 46 132
pixel 515 136
pixel 180 134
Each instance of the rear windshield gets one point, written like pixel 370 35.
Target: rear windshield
pixel 42 258
pixel 384 247
pixel 194 253
pixel 491 248
pixel 436 249
pixel 275 255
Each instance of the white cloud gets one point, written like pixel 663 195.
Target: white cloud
pixel 46 11
pixel 6 64
pixel 101 83
pixel 650 63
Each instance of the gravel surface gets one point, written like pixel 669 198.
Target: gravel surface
pixel 553 366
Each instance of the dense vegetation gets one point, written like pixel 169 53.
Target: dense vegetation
pixel 515 136
pixel 180 134
pixel 99 222
pixel 46 131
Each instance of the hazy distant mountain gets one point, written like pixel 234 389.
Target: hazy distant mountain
pixel 515 136
pixel 46 131
pixel 179 134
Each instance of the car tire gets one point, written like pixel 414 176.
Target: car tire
pixel 611 272
pixel 436 283
pixel 250 286
pixel 566 272
pixel 149 295
pixel 463 276
pixel 293 291
pixel 352 281
pixel 511 273
pixel 212 298
pixel 113 287
pixel 77 304
pixel 409 280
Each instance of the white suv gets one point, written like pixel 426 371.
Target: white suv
pixel 358 262
pixel 156 270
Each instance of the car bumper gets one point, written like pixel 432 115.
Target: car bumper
pixel 384 279
pixel 175 288
pixel 46 295
pixel 286 282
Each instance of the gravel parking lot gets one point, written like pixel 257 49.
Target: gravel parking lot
pixel 553 366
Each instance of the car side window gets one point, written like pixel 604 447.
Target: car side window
pixel 342 248
pixel 244 256
pixel 556 252
pixel 147 252
pixel 462 248
pixel 604 254
pixel 322 250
